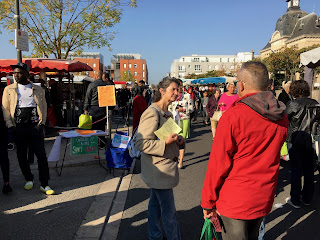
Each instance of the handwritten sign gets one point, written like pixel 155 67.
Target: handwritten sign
pixel 84 145
pixel 106 96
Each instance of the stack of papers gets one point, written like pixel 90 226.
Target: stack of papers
pixel 168 128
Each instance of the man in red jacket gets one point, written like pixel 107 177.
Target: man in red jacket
pixel 243 167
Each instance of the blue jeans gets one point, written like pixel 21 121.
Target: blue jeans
pixel 262 229
pixel 161 206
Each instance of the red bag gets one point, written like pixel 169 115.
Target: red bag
pixel 51 117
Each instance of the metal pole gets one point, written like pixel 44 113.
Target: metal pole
pixel 17 17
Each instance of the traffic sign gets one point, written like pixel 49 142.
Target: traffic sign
pixel 21 40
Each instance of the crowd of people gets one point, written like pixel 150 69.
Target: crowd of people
pixel 243 166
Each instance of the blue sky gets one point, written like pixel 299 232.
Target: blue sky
pixel 162 31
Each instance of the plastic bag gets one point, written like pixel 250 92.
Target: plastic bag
pixel 284 150
pixel 208 231
pixel 85 121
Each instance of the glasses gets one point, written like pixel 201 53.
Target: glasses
pixel 235 82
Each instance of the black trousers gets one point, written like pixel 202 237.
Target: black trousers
pixel 4 160
pixel 240 229
pixel 302 164
pixel 98 113
pixel 24 136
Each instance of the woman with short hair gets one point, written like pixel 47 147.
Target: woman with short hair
pixel 302 113
pixel 285 95
pixel 228 98
pixel 159 162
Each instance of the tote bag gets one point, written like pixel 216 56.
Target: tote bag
pixel 217 115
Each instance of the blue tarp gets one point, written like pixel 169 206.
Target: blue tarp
pixel 209 80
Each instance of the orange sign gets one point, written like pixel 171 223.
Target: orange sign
pixel 106 96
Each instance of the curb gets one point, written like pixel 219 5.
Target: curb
pixel 111 229
pixel 93 223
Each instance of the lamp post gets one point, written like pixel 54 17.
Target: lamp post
pixel 17 18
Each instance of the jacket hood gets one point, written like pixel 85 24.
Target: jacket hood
pixel 266 105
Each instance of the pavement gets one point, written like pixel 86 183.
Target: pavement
pixel 92 203
pixel 284 222
pixel 85 193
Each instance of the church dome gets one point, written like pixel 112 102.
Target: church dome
pixel 287 22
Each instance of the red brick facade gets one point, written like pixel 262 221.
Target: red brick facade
pixel 92 62
pixel 137 67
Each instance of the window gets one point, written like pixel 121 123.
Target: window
pixel 189 66
pixel 94 65
pixel 181 68
pixel 130 65
pixel 197 67
pixel 124 65
pixel 135 65
pixel 135 73
pixel 117 65
pixel 196 59
pixel 209 67
pixel 182 59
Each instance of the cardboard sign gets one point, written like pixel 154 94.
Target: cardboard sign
pixel 106 96
pixel 84 145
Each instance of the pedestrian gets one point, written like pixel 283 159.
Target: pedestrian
pixel 56 101
pixel 25 113
pixel 181 109
pixel 243 167
pixel 139 106
pixel 106 79
pixel 204 102
pixel 285 95
pixel 212 107
pixel 91 107
pixel 159 162
pixel 197 103
pixel 302 114
pixel 228 98
pixel 193 100
pixel 4 160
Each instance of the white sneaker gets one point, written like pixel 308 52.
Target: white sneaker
pixel 47 190
pixel 288 200
pixel 28 185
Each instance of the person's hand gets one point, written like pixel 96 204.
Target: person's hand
pixel 180 141
pixel 180 109
pixel 207 213
pixel 172 138
pixel 221 104
pixel 210 213
pixel 85 112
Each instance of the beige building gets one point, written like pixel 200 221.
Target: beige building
pixel 295 28
pixel 199 64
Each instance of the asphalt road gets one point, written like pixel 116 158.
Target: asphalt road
pixel 282 223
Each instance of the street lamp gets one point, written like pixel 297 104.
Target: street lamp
pixel 17 18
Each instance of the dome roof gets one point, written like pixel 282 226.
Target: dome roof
pixel 287 21
pixel 307 25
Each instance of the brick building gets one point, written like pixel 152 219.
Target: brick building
pixel 93 59
pixel 129 65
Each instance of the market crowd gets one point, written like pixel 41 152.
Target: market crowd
pixel 250 127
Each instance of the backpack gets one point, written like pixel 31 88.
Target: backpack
pixel 133 151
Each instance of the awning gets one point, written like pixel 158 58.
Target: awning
pixel 209 80
pixel 46 65
pixel 311 59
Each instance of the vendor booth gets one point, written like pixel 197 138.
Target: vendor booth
pixel 311 60
pixel 41 66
